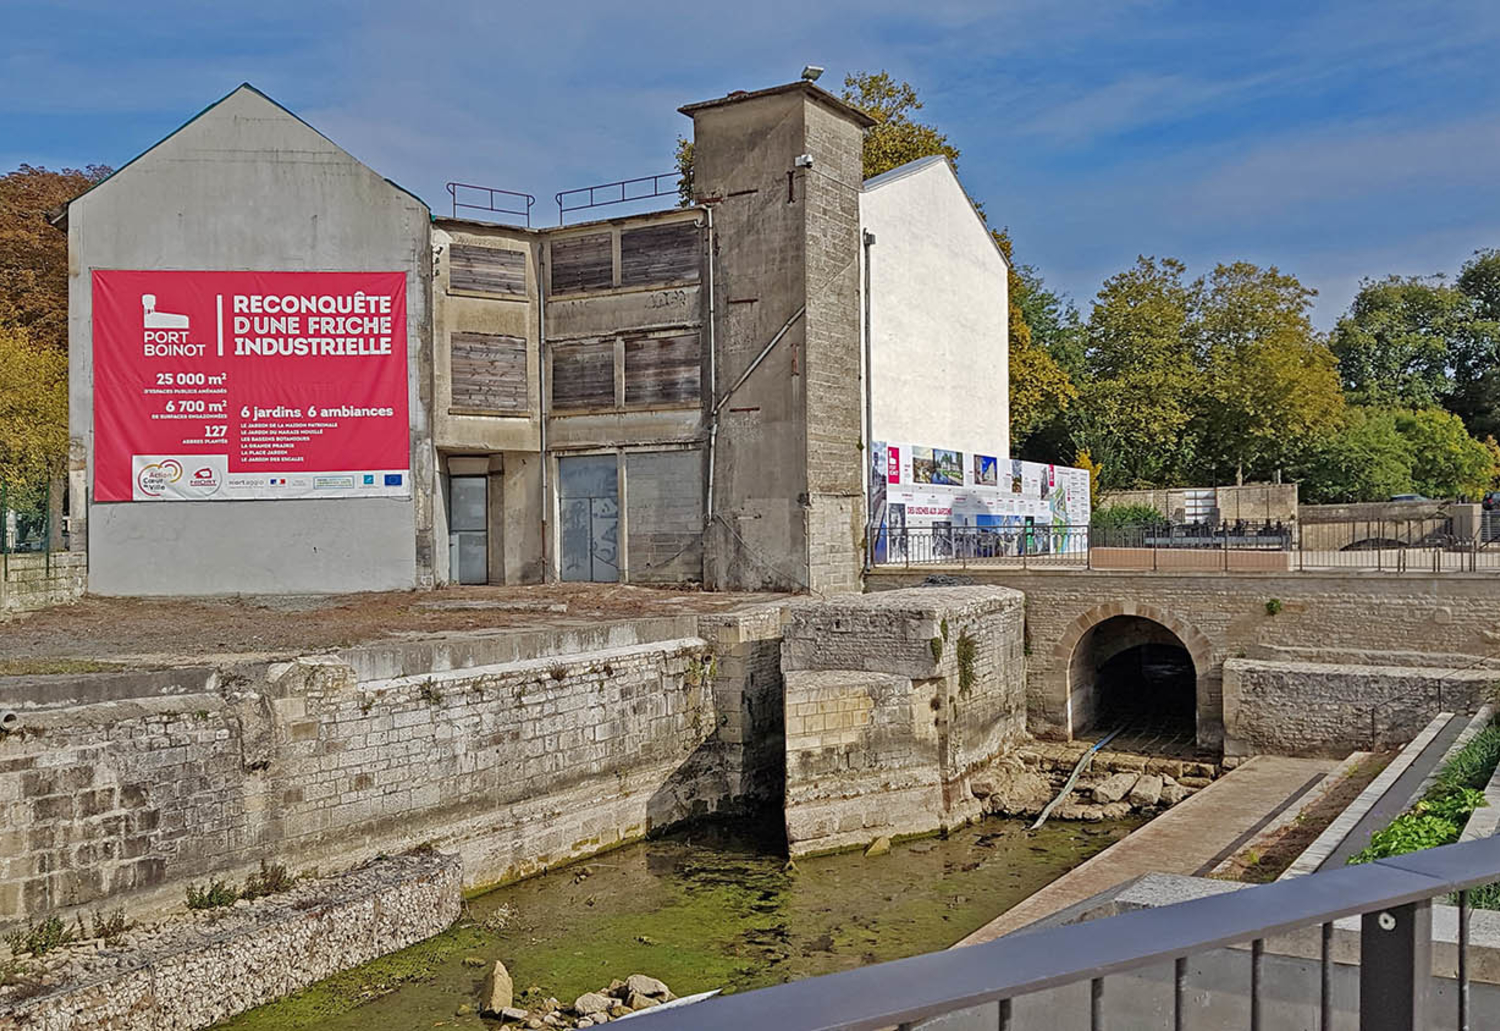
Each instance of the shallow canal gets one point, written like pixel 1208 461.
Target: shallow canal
pixel 710 906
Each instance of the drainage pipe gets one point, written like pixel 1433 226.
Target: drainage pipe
pixel 1083 764
pixel 542 386
pixel 10 721
pixel 713 385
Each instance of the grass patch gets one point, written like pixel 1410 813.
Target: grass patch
pixel 50 667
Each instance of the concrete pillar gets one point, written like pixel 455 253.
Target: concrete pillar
pixel 788 500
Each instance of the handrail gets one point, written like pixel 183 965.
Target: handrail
pixel 491 191
pixel 889 994
pixel 623 185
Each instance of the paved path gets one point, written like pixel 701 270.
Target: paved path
pixel 1190 838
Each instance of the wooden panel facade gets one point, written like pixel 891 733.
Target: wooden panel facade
pixel 488 270
pixel 488 373
pixel 663 371
pixel 583 263
pixel 670 253
pixel 583 375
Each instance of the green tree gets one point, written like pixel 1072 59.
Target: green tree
pixel 1269 383
pixel 684 158
pixel 1141 380
pixel 33 254
pixel 1364 459
pixel 1446 462
pixel 1399 340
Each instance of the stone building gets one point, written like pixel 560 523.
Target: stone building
pixel 672 396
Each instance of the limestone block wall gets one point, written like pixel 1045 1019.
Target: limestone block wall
pixel 208 969
pixel 1363 618
pixel 515 766
pixel 1306 708
pixel 892 701
pixel 34 582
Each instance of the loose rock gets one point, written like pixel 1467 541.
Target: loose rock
pixel 1116 787
pixel 644 985
pixel 1147 791
pixel 879 847
pixel 1172 792
pixel 590 1003
pixel 499 990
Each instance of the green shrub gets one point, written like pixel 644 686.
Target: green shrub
pixel 1114 517
pixel 1273 607
pixel 271 880
pixel 1409 832
pixel 40 939
pixel 216 896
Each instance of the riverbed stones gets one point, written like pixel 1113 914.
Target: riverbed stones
pixel 499 991
pixel 1147 791
pixel 643 985
pixel 1115 787
pixel 637 1001
pixel 590 1003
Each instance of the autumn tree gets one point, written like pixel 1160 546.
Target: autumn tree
pixel 1040 390
pixel 33 412
pixel 33 254
pixel 895 138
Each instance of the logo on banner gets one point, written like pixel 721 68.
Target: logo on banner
pixel 893 464
pixel 154 479
pixel 206 479
pixel 153 319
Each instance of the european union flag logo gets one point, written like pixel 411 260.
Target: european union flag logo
pixel 393 479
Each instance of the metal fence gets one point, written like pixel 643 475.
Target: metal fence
pixel 1391 546
pixel 29 524
pixel 1024 980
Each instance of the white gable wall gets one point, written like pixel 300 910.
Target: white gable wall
pixel 938 314
pixel 248 186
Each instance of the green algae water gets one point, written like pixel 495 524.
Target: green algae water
pixel 709 906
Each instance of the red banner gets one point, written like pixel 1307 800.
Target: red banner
pixel 215 386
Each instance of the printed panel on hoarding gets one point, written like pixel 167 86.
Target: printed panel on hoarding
pixel 226 386
pixel 1000 505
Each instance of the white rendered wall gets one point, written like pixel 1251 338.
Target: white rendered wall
pixel 939 307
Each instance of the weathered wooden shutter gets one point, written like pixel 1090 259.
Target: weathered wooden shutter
pixel 660 254
pixel 489 372
pixel 663 370
pixel 583 263
pixel 583 375
pixel 487 270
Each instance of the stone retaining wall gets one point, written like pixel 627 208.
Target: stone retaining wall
pixel 516 766
pixel 1328 709
pixel 209 966
pixel 892 701
pixel 34 582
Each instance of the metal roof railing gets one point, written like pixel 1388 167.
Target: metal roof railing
pixel 641 188
pixel 1391 896
pixel 489 204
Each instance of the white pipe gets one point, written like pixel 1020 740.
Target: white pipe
pixel 10 721
pixel 713 385
pixel 870 528
pixel 541 343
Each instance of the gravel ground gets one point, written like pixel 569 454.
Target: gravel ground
pixel 99 634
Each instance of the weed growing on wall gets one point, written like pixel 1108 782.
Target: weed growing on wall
pixel 109 928
pixel 936 644
pixel 1273 606
pixel 430 693
pixel 967 652
pixel 216 895
pixel 40 939
pixel 271 880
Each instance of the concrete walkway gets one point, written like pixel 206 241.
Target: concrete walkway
pixel 1190 838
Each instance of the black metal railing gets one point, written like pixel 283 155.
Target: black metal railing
pixel 1035 979
pixel 1409 546
pixel 641 188
pixel 489 199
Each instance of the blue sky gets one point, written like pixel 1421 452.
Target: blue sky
pixel 1334 140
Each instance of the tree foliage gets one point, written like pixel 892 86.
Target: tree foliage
pixel 33 410
pixel 1040 389
pixel 33 254
pixel 895 138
